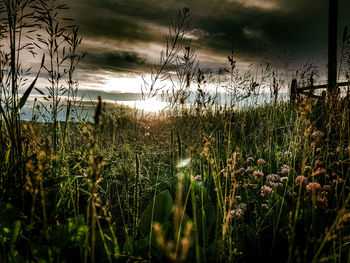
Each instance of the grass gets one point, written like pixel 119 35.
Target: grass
pixel 146 188
pixel 265 183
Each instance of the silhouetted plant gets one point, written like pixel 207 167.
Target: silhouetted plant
pixel 174 44
pixel 17 27
pixel 60 42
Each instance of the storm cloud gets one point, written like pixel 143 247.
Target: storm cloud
pixel 121 61
pixel 128 35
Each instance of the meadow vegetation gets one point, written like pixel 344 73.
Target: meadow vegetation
pixel 196 183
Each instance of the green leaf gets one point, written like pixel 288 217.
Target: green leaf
pixel 68 237
pixel 15 233
pixel 10 226
pixel 26 94
pixel 157 211
pixel 9 214
pixel 128 247
pixel 8 154
pixel 210 212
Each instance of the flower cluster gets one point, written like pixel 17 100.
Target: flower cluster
pixel 239 211
pixel 284 179
pixel 258 175
pixel 198 178
pixel 250 159
pixel 317 135
pixel 301 180
pixel 313 187
pixel 318 163
pixel 320 171
pixel 249 170
pixel 266 191
pixel 260 162
pixel 308 168
pixel 285 170
pixel 274 181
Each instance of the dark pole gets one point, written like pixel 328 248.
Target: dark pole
pixel 332 45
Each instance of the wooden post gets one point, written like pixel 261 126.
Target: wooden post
pixel 293 91
pixel 332 45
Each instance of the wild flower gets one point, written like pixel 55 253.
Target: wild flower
pixel 320 171
pixel 308 168
pixel 242 206
pixel 183 163
pixel 261 162
pixel 238 213
pixel 288 154
pixel 249 170
pixel 347 149
pixel 317 135
pixel 318 163
pixel 321 202
pixel 238 197
pixel 284 179
pixel 266 191
pixel 314 186
pixel 206 149
pixel 198 178
pixel 273 180
pixel 285 170
pixel 258 175
pixel 301 180
pixel 250 159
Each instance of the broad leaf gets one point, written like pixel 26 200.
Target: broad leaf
pixel 157 211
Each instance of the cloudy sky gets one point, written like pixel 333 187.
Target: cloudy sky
pixel 123 38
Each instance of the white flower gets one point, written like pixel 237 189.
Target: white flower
pixel 285 170
pixel 183 163
pixel 284 179
pixel 258 175
pixel 198 178
pixel 266 191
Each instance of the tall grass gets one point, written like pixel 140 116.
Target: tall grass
pixel 201 183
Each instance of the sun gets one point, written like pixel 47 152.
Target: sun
pixel 133 85
pixel 149 105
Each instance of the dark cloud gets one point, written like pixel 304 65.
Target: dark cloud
pixel 114 61
pixel 298 26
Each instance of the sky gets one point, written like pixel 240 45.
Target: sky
pixel 124 38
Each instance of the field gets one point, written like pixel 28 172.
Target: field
pixel 270 182
pixel 201 182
